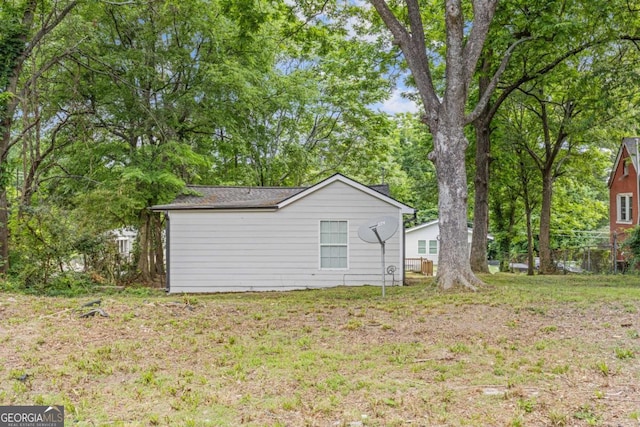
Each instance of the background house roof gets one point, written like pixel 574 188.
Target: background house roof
pixel 229 197
pixel 436 222
pixel 631 144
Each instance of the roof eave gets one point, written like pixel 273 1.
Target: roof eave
pixel 163 208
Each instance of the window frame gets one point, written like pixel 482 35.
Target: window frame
pixel 628 211
pixel 422 249
pixel 433 250
pixel 340 245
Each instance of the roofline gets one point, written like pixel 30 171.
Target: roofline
pixel 162 208
pixel 405 209
pixel 426 224
pixel 621 147
pixel 435 221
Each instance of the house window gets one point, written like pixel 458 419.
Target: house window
pixel 433 247
pixel 625 210
pixel 333 244
pixel 625 166
pixel 422 246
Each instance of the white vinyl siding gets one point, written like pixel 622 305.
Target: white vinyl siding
pixel 625 210
pixel 251 250
pixel 422 247
pixel 430 234
pixel 333 244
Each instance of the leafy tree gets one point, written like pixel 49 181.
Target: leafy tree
pixel 556 31
pixel 23 30
pixel 445 104
pixel 180 96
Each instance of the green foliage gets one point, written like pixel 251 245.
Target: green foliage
pixel 11 41
pixel 121 105
pixel 631 244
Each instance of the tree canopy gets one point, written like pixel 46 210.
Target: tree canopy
pixel 109 107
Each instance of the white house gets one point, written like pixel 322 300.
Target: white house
pixel 423 241
pixel 222 239
pixel 125 238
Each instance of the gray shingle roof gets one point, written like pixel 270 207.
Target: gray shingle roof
pixel 232 197
pixel 227 197
pixel 632 148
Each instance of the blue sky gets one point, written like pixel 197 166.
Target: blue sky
pixel 396 103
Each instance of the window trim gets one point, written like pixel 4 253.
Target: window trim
pixel 422 250
pixel 321 245
pixel 628 205
pixel 435 252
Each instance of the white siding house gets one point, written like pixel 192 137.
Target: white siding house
pixel 423 241
pixel 125 239
pixel 266 238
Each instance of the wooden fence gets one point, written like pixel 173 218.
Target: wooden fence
pixel 419 265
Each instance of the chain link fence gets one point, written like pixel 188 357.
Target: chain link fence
pixel 588 259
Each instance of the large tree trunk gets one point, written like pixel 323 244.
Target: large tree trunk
pixel 479 259
pixel 546 262
pixel 445 114
pixel 453 257
pixel 482 126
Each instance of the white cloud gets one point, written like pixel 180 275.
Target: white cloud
pixel 397 104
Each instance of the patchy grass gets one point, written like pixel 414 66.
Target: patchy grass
pixel 542 350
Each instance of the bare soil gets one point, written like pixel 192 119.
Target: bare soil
pixel 319 358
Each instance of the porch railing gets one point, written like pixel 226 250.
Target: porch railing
pixel 419 265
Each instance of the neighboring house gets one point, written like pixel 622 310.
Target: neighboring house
pixel 222 239
pixel 623 191
pixel 125 238
pixel 423 241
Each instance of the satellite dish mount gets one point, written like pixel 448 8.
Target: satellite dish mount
pixel 379 230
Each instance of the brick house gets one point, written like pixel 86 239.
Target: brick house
pixel 623 192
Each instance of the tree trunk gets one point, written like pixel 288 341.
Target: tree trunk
pixel 158 247
pixel 546 262
pixel 445 114
pixel 4 232
pixel 143 256
pixel 482 126
pixel 151 257
pixel 15 62
pixel 478 259
pixel 528 210
pixel 453 257
pixel 507 222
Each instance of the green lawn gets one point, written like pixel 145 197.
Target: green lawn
pixel 542 350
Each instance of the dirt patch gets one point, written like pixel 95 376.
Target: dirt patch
pixel 317 359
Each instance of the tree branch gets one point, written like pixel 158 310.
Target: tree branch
pixel 483 11
pixel 414 49
pixel 493 83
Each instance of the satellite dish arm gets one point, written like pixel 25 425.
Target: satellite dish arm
pixel 375 231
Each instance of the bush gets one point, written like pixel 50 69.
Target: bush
pixel 631 245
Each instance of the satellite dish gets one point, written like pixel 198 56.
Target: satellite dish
pixel 379 230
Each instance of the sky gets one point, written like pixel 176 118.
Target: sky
pixel 396 103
